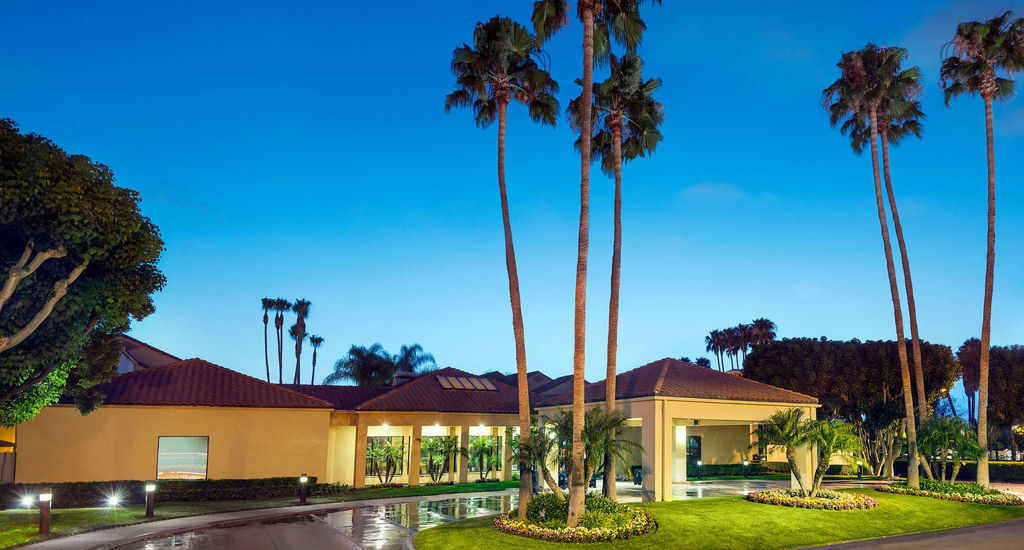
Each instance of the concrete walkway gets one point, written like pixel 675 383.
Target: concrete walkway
pixel 130 534
pixel 1004 535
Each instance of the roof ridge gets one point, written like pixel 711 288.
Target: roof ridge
pixel 741 377
pixel 661 376
pixel 206 363
pixel 154 348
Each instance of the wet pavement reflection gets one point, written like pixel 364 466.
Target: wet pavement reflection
pixel 380 527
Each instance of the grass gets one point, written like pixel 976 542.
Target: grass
pixel 735 523
pixel 20 526
pixel 782 477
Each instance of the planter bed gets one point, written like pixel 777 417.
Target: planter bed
pixel 993 497
pixel 825 500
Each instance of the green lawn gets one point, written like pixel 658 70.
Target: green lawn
pixel 19 526
pixel 735 523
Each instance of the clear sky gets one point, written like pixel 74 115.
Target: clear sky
pixel 301 150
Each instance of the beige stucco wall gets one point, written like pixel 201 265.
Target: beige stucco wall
pixel 722 444
pixel 7 434
pixel 120 442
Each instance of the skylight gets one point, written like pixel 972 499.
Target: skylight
pixel 466 383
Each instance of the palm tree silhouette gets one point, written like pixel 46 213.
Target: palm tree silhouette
pixel 867 77
pixel 602 21
pixel 626 118
pixel 980 50
pixel 301 309
pixel 268 304
pixel 314 341
pixel 498 68
pixel 280 306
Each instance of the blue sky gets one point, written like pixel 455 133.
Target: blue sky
pixel 302 150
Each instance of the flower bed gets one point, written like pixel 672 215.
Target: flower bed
pixel 825 500
pixel 603 520
pixel 960 492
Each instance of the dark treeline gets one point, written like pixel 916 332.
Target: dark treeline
pixel 734 342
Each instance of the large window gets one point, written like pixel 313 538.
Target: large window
pixel 437 456
pixel 182 457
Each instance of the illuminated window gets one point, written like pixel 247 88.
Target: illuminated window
pixel 182 457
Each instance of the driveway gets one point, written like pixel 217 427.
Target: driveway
pixel 1004 535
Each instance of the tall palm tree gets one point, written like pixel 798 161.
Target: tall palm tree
pixel 969 356
pixel 866 80
pixel 314 341
pixel 764 330
pixel 280 306
pixel 366 366
pixel 626 118
pixel 980 51
pixel 301 309
pixel 601 21
pixel 498 68
pixel 268 304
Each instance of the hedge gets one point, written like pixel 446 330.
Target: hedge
pixel 997 470
pixel 85 494
pixel 755 469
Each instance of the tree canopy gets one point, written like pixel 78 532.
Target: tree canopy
pixel 78 261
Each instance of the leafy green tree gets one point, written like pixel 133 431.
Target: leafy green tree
pixel 981 52
pixel 78 262
pixel 832 438
pixel 867 79
pixel 945 439
pixel 498 68
pixel 626 118
pixel 602 21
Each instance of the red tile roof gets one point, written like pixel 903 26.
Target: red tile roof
pixel 673 378
pixel 344 398
pixel 195 382
pixel 425 393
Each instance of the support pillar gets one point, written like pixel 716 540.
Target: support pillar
pixel 506 462
pixel 464 461
pixel 667 432
pixel 359 458
pixel 414 456
pixel 651 442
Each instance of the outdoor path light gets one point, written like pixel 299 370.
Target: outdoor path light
pixel 746 468
pixel 44 511
pixel 303 480
pixel 150 498
pixel 860 469
pixel 700 474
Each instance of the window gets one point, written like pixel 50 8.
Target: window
pixel 385 456
pixel 182 457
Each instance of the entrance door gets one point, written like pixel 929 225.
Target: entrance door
pixel 692 453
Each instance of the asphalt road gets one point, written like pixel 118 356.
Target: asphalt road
pixel 1004 535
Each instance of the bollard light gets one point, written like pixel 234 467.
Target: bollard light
pixel 45 498
pixel 860 469
pixel 303 480
pixel 746 468
pixel 27 501
pixel 150 499
pixel 700 464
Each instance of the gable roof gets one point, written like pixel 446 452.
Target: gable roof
pixel 194 382
pixel 425 393
pixel 673 378
pixel 551 386
pixel 144 356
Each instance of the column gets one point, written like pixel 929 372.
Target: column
pixel 464 461
pixel 679 453
pixel 806 458
pixel 414 456
pixel 651 441
pixel 506 462
pixel 359 458
pixel 667 432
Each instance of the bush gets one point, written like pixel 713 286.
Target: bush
pixel 594 526
pixel 825 500
pixel 960 492
pixel 997 470
pixel 547 507
pixel 85 494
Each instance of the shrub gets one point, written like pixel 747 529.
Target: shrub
pixel 960 492
pixel 997 470
pixel 547 507
pixel 825 500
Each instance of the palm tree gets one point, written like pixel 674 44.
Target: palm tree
pixel 981 50
pixel 969 356
pixel 831 438
pixel 413 359
pixel 316 342
pixel 366 366
pixel 619 19
pixel 764 330
pixel 501 67
pixel 268 304
pixel 280 306
pixel 867 78
pixel 301 309
pixel 949 438
pixel 787 429
pixel 626 118
pixel 602 433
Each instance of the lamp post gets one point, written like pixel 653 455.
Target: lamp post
pixel 303 480
pixel 700 473
pixel 150 498
pixel 860 469
pixel 44 511
pixel 746 468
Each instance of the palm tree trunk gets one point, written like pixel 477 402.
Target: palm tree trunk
pixel 908 396
pixel 577 486
pixel 922 403
pixel 613 306
pixel 525 473
pixel 986 316
pixel 312 374
pixel 279 325
pixel 266 353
